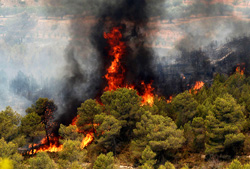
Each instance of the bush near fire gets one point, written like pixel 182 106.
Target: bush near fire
pixel 120 130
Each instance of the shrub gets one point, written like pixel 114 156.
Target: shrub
pixel 41 161
pixel 104 161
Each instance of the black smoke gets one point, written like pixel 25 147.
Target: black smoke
pixel 87 54
pixel 208 46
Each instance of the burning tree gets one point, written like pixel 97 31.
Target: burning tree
pixel 45 109
pixel 86 115
pixel 32 127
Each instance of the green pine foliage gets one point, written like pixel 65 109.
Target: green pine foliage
pixel 87 113
pixel 9 151
pixel 148 157
pixel 104 161
pixel 159 132
pixel 41 161
pixel 214 121
pixel 9 121
pixel 70 132
pixel 71 155
pixel 185 107
pixel 224 126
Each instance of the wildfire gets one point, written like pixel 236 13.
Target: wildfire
pixel 74 120
pixel 87 140
pixel 170 99
pixel 115 77
pixel 198 85
pixel 53 147
pixel 115 73
pixel 239 70
pixel 148 96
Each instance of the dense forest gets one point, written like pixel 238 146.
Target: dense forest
pixel 205 126
pixel 191 130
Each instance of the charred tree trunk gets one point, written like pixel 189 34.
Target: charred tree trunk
pixel 47 134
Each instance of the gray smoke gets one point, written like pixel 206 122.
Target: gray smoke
pixel 166 40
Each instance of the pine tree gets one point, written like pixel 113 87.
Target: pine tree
pixel 224 126
pixel 87 113
pixel 32 127
pixel 104 161
pixel 185 106
pixel 159 132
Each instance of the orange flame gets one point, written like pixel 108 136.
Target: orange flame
pixel 148 96
pixel 239 70
pixel 170 99
pixel 198 85
pixel 115 73
pixel 74 120
pixel 53 147
pixel 87 140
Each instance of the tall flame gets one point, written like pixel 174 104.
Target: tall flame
pixel 148 96
pixel 115 73
pixel 87 140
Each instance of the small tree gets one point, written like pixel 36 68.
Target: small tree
pixel 167 165
pixel 9 121
pixel 72 152
pixel 104 161
pixel 108 131
pixel 32 127
pixel 198 127
pixel 148 157
pixel 9 151
pixel 70 132
pixel 185 106
pixel 224 125
pixel 45 109
pixel 42 160
pixel 87 113
pixel 235 165
pixel 159 132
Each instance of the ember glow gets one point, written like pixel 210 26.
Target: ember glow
pixel 170 99
pixel 239 70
